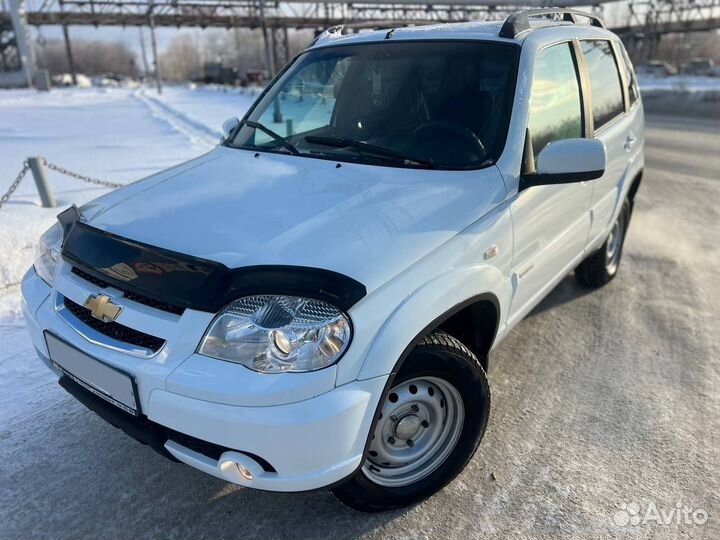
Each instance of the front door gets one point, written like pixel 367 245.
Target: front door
pixel 551 223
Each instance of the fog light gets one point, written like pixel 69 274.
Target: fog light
pixel 245 472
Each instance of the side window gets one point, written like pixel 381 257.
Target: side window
pixel 605 86
pixel 630 77
pixel 555 106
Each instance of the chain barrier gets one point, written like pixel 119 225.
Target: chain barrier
pixel 84 178
pixel 57 168
pixel 15 184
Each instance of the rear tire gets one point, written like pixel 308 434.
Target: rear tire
pixel 602 265
pixel 427 428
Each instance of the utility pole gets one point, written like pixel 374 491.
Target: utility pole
pixel 68 52
pixel 68 48
pixel 153 43
pixel 269 60
pixel 22 38
pixel 143 51
pixel 286 41
pixel 269 64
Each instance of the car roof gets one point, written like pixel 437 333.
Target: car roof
pixel 542 30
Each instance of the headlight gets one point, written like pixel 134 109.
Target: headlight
pixel 47 253
pixel 276 334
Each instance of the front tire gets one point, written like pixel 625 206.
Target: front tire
pixel 427 428
pixel 602 265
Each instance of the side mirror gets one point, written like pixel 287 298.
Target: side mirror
pixel 229 126
pixel 567 161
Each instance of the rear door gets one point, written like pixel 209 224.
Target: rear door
pixel 615 113
pixel 551 223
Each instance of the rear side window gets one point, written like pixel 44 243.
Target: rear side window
pixel 555 107
pixel 605 86
pixel 630 77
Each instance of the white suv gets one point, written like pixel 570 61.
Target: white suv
pixel 312 303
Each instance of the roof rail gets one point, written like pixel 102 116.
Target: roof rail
pixel 338 28
pixel 389 26
pixel 520 22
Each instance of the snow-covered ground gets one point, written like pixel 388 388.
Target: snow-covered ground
pixel 115 134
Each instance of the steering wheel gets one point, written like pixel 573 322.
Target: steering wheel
pixel 464 140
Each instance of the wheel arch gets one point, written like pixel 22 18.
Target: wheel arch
pixel 452 303
pixel 474 323
pixel 456 316
pixel 458 321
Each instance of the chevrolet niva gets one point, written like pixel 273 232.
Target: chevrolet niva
pixel 312 303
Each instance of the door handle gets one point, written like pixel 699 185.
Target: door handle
pixel 630 141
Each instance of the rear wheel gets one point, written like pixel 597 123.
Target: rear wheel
pixel 602 265
pixel 426 430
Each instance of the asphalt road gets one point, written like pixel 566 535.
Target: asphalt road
pixel 600 400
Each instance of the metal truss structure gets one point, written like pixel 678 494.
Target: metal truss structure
pixel 656 17
pixel 648 16
pixel 277 14
pixel 649 20
pixel 646 22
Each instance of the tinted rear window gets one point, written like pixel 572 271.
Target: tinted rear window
pixel 605 86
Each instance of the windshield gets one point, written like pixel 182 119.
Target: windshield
pixel 430 104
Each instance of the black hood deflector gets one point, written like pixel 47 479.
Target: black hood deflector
pixel 191 282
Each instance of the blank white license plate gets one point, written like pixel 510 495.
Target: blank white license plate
pixel 102 380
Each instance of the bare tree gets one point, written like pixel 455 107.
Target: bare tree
pixel 242 48
pixel 679 48
pixel 183 58
pixel 91 57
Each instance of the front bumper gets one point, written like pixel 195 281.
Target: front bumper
pixel 297 446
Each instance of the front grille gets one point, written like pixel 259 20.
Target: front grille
pixel 135 297
pixel 114 330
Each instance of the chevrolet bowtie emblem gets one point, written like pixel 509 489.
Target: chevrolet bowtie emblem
pixel 101 307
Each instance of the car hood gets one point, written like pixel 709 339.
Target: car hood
pixel 242 208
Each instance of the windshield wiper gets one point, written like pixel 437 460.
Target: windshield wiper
pixel 343 142
pixel 282 141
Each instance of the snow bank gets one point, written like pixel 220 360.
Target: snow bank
pixel 116 134
pixel 679 83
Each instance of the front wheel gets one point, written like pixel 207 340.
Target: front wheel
pixel 427 428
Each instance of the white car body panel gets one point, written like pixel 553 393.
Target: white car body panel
pixel 295 211
pixel 422 242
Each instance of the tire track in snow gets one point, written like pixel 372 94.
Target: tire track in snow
pixel 197 132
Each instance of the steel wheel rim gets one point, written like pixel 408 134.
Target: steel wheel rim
pixel 418 427
pixel 614 245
